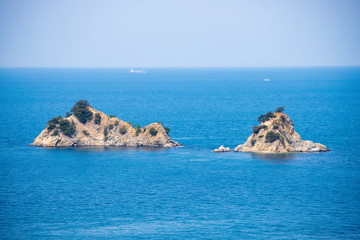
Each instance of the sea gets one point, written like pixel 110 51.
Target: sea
pixel 187 192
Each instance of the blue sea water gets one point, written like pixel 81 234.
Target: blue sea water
pixel 188 192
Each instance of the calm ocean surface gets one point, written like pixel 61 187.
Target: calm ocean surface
pixel 188 192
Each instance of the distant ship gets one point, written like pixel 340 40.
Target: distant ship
pixel 266 79
pixel 137 71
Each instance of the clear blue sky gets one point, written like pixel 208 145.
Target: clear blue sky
pixel 180 33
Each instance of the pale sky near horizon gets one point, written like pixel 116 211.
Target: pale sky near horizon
pixel 184 33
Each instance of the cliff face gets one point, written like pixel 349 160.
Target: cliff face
pixel 101 130
pixel 277 135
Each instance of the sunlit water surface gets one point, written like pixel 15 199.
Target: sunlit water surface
pixel 188 192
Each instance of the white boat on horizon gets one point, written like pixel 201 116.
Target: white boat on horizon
pixel 137 71
pixel 266 79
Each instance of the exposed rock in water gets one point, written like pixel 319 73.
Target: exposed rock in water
pixel 276 134
pixel 90 127
pixel 222 149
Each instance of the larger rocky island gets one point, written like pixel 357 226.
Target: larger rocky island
pixel 276 134
pixel 86 126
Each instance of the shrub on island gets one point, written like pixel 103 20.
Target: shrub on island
pixel 153 131
pixel 266 117
pixel 97 118
pixel 138 130
pixel 257 129
pixel 283 119
pixel 81 111
pixel 53 122
pixel 167 130
pixel 106 132
pixel 67 128
pixel 272 137
pixel 123 130
pixel 280 109
pixel 55 133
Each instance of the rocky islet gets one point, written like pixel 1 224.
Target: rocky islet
pixel 87 126
pixel 276 134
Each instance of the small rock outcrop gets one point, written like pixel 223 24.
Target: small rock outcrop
pixel 276 134
pixel 222 149
pixel 87 126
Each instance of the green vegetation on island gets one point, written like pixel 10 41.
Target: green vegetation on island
pixel 81 111
pixel 138 130
pixel 55 133
pixel 106 133
pixel 280 109
pixel 67 128
pixel 97 118
pixel 266 117
pixel 271 137
pixel 269 115
pixel 153 131
pixel 123 130
pixel 52 123
pixel 167 130
pixel 257 129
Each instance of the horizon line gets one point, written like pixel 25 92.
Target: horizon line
pixel 164 67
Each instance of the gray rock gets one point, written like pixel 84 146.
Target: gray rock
pixel 222 149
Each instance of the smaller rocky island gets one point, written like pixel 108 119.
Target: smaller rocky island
pixel 86 126
pixel 276 134
pixel 222 149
